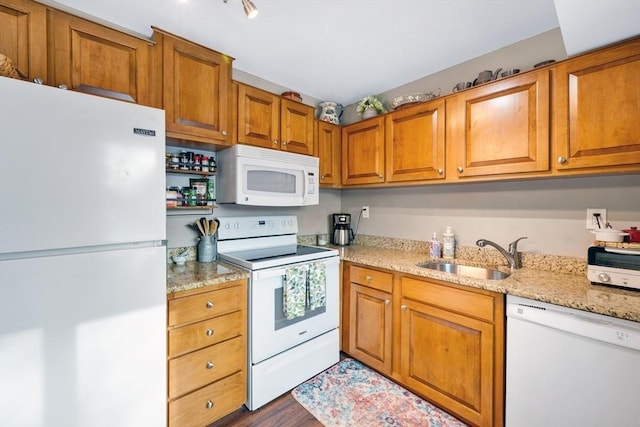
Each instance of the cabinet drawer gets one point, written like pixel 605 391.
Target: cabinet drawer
pixel 206 405
pixel 371 278
pixel 452 299
pixel 193 337
pixel 205 366
pixel 203 306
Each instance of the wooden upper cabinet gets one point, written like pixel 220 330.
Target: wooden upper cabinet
pixel 597 110
pixel 415 143
pixel 267 120
pixel 500 128
pixel 363 152
pixel 258 117
pixel 95 59
pixel 196 85
pixel 23 37
pixel 328 150
pixel 296 127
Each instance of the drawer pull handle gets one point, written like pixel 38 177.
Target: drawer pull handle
pixel 209 365
pixel 209 404
pixel 368 278
pixel 209 332
pixel 209 304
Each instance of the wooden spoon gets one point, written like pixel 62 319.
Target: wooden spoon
pixel 200 227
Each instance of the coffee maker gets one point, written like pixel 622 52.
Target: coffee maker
pixel 342 234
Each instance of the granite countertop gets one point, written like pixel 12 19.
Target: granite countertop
pixel 548 283
pixel 195 275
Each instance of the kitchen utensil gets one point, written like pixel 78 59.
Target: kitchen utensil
pixel 510 72
pixel 213 226
pixel 486 76
pixel 609 235
pixel 634 234
pixel 205 225
pixel 200 227
pixel 179 259
pixel 461 86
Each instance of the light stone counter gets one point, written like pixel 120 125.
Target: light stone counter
pixel 195 275
pixel 556 280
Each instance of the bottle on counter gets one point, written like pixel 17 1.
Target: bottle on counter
pixel 434 246
pixel 448 244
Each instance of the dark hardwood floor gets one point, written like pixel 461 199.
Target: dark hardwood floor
pixel 285 411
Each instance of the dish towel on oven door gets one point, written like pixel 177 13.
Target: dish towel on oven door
pixel 317 285
pixel 294 291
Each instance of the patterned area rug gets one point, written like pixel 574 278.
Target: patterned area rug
pixel 350 394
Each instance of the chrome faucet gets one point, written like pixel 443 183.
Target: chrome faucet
pixel 511 255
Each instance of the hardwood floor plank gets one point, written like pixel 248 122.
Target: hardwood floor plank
pixel 285 411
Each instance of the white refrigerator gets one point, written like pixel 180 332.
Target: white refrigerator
pixel 82 260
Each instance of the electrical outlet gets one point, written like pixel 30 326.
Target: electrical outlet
pixel 595 216
pixel 365 212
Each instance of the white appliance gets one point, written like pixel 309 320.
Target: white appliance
pixel 263 177
pixel 568 367
pixel 82 260
pixel 614 266
pixel 282 352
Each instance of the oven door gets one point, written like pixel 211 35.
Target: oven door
pixel 270 332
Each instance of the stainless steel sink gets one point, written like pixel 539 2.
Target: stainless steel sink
pixel 465 270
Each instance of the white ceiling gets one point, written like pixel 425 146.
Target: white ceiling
pixel 339 50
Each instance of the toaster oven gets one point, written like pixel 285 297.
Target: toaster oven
pixel 614 266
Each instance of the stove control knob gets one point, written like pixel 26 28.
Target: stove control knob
pixel 236 225
pixel 604 277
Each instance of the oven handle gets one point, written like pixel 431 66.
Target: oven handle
pixel 280 271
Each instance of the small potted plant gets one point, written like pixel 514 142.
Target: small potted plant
pixel 370 106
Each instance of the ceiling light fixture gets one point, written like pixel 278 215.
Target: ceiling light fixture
pixel 250 9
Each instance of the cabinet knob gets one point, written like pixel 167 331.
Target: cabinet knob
pixel 460 169
pixel 323 176
pixel 403 307
pixel 275 142
pixel 380 176
pixel 209 304
pixel 284 143
pixel 368 278
pixel 440 171
pixel 224 132
pixel 209 332
pixel 209 404
pixel 209 365
pixel 387 301
pixel 562 160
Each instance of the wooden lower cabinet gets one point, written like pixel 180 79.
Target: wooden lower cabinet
pixel 207 353
pixel 449 351
pixel 442 341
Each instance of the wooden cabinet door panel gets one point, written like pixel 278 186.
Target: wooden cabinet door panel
pixel 447 357
pixel 328 151
pixel 258 117
pixel 23 38
pixel 363 152
pixel 501 128
pixel 597 109
pixel 296 127
pixel 91 58
pixel 204 406
pixel 415 139
pixel 370 327
pixel 202 367
pixel 210 331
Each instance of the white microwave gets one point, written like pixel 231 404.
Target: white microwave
pixel 263 177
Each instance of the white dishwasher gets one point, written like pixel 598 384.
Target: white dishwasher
pixel 568 367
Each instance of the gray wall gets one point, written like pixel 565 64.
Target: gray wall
pixel 551 212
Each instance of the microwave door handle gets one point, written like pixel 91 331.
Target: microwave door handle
pixel 304 184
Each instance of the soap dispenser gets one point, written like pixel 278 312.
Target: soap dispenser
pixel 448 244
pixel 434 246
